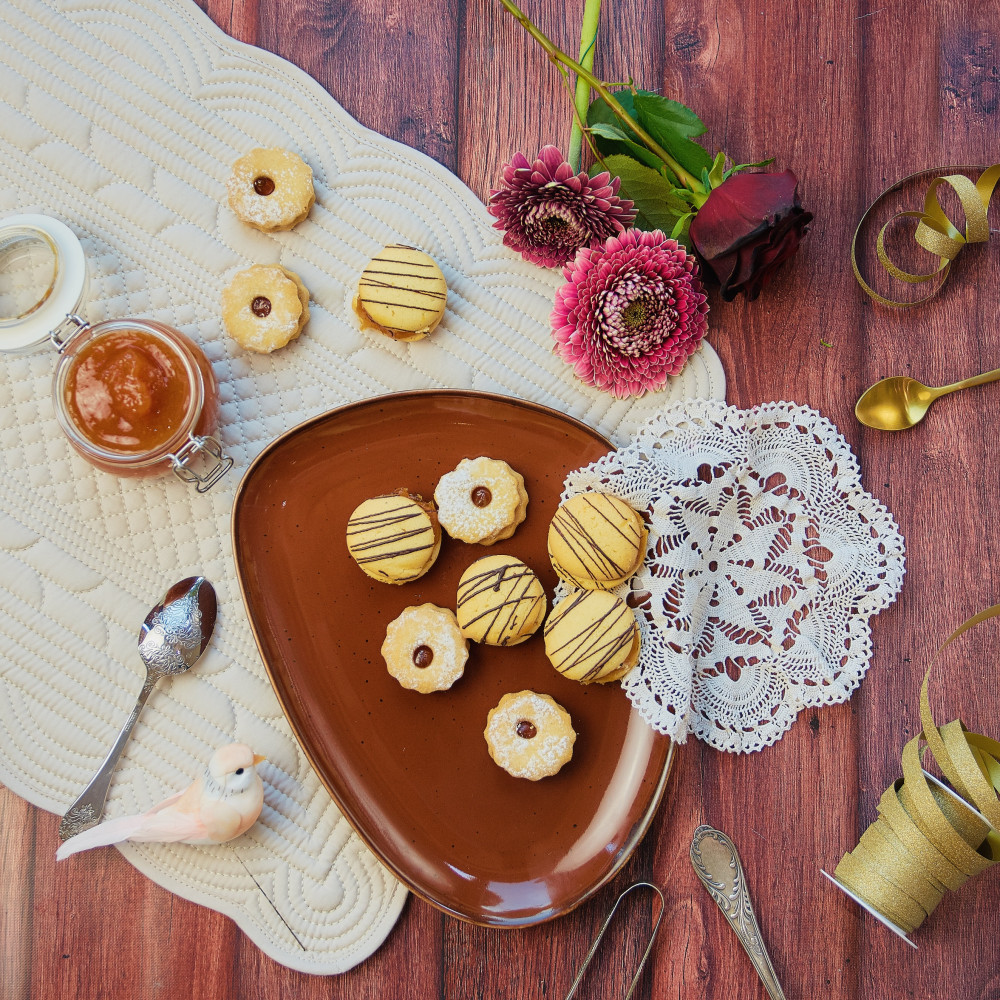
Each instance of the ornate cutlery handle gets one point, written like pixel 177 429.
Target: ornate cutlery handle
pixel 87 810
pixel 718 866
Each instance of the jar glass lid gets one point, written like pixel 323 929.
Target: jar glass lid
pixel 42 279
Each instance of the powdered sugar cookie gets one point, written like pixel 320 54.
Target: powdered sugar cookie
pixel 482 500
pixel 271 189
pixel 424 649
pixel 529 735
pixel 264 307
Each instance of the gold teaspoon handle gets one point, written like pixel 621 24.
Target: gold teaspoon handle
pixel 718 866
pixel 968 383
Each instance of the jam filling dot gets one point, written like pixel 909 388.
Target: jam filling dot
pixel 526 730
pixel 481 496
pixel 261 306
pixel 423 656
pixel 263 186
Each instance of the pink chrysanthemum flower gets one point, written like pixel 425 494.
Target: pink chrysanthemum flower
pixel 631 313
pixel 547 212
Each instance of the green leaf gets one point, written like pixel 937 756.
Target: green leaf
pixel 612 138
pixel 746 166
pixel 689 198
pixel 681 228
pixel 717 174
pixel 656 203
pixel 673 126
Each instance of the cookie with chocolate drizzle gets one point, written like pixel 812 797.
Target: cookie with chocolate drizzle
pixel 591 635
pixel 596 541
pixel 500 601
pixel 401 293
pixel 394 538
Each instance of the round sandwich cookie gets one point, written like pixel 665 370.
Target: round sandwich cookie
pixel 271 189
pixel 265 307
pixel 596 541
pixel 481 501
pixel 424 648
pixel 529 735
pixel 394 538
pixel 500 601
pixel 401 293
pixel 592 636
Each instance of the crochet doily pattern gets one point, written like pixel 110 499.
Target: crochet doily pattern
pixel 766 561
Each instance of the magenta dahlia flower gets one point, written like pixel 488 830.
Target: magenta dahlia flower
pixel 631 313
pixel 547 212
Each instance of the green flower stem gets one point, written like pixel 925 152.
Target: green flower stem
pixel 588 47
pixel 558 56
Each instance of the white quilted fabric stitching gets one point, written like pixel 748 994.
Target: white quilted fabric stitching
pixel 766 560
pixel 122 119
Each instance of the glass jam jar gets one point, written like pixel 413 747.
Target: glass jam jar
pixel 133 396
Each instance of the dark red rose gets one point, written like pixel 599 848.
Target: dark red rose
pixel 749 225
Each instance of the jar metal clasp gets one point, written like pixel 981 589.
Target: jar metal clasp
pixel 199 449
pixel 68 326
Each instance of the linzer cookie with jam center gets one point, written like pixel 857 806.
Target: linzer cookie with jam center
pixel 500 601
pixel 271 189
pixel 529 735
pixel 394 538
pixel 592 636
pixel 424 649
pixel 596 541
pixel 265 307
pixel 401 293
pixel 481 501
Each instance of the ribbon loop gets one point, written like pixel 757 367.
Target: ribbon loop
pixel 935 232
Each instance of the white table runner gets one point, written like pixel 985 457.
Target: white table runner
pixel 122 119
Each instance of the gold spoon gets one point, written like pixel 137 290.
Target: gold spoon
pixel 900 402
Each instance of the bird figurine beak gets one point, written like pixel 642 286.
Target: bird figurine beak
pixel 257 759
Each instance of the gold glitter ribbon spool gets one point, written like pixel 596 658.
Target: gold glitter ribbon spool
pixel 929 837
pixel 935 232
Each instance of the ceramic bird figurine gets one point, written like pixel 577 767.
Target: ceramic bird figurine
pixel 218 806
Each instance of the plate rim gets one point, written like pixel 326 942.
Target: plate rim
pixel 643 823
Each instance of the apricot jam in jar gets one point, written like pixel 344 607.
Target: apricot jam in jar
pixel 138 398
pixel 134 397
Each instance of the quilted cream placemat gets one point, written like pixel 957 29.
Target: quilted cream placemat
pixel 122 118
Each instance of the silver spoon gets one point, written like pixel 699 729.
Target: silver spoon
pixel 718 866
pixel 171 639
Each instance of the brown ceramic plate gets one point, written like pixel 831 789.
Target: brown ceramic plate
pixel 411 772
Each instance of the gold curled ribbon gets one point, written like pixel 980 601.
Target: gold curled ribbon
pixel 935 232
pixel 928 837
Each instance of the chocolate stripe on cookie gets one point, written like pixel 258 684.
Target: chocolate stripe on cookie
pixel 514 595
pixel 596 643
pixel 400 528
pixel 582 544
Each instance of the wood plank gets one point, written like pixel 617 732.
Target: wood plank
pixel 935 477
pixel 850 97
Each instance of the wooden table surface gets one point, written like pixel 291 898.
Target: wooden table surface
pixel 852 97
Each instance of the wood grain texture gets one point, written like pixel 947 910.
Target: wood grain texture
pixel 852 97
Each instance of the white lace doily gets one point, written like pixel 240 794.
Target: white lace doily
pixel 766 561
